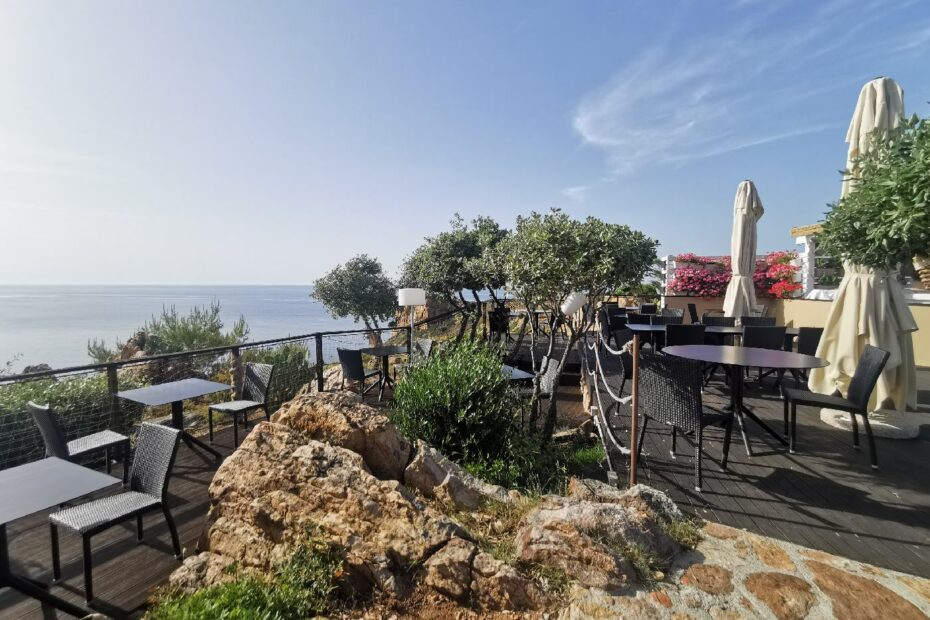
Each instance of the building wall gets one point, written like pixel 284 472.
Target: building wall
pixel 812 313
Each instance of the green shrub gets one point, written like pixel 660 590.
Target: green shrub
pixel 302 587
pixel 458 401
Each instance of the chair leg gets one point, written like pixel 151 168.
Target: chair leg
pixel 267 415
pixel 56 555
pixel 794 427
pixel 642 435
pixel 726 444
pixel 674 441
pixel 855 430
pixel 174 532
pixel 109 460
pixel 785 407
pixel 125 451
pixel 697 461
pixel 88 567
pixel 139 532
pixel 868 433
pixel 210 423
pixel 235 417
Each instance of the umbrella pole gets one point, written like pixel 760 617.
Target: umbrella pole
pixel 634 412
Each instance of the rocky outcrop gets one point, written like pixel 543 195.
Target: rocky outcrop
pixel 434 475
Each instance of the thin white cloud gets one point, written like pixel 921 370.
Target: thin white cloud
pixel 714 94
pixel 578 193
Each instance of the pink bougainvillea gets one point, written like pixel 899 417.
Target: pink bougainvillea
pixel 773 277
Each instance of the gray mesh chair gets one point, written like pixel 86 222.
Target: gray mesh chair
pixel 870 366
pixel 156 449
pixel 422 348
pixel 56 443
pixel 670 394
pixel 353 369
pixel 254 396
pixel 658 339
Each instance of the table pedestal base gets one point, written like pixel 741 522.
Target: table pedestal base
pixel 177 421
pixel 741 411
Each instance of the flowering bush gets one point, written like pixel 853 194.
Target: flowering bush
pixel 773 277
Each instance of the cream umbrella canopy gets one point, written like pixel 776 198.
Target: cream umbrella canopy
pixel 869 307
pixel 740 298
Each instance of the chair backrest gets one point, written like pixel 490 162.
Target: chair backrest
pixel 156 447
pixel 868 370
pixel 693 313
pixel 672 312
pixel 351 362
pixel 550 365
pixel 661 319
pixel 622 336
pixel 684 334
pixel 762 321
pixel 648 308
pixel 809 339
pixel 50 428
pixel 670 390
pixel 422 347
pixel 638 319
pixel 257 381
pixel 764 337
pixel 715 320
pixel 603 320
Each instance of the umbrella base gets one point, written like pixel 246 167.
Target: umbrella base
pixel 886 423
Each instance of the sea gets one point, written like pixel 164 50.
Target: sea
pixel 53 324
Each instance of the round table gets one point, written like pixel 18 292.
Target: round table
pixel 738 358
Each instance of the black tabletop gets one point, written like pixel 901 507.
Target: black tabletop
pixel 515 374
pixel 28 488
pixel 745 356
pixel 386 350
pixel 173 391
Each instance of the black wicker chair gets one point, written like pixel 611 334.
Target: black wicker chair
pixel 693 314
pixel 683 335
pixel 670 393
pixel 870 366
pixel 648 308
pixel 56 443
pixel 658 339
pixel 254 396
pixel 604 322
pixel 156 449
pixel 757 321
pixel 716 320
pixel 763 337
pixel 354 369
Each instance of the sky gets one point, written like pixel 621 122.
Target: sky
pixel 230 142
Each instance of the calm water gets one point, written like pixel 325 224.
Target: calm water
pixel 52 324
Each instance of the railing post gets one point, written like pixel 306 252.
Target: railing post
pixel 112 389
pixel 634 415
pixel 319 362
pixel 237 371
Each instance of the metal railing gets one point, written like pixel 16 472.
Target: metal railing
pixel 85 397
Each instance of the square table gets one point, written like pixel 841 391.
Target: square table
pixel 32 487
pixel 175 393
pixel 385 352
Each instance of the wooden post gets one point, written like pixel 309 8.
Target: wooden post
pixel 319 362
pixel 113 388
pixel 237 371
pixel 634 411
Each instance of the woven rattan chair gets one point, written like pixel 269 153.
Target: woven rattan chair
pixel 757 321
pixel 156 449
pixel 648 308
pixel 354 369
pixel 658 339
pixel 254 396
pixel 422 348
pixel 56 444
pixel 715 320
pixel 870 366
pixel 670 393
pixel 763 337
pixel 684 334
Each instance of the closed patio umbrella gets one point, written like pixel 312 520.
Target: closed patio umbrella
pixel 869 307
pixel 740 299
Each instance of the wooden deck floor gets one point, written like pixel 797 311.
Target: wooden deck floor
pixel 125 573
pixel 826 497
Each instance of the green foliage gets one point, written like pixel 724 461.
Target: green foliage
pixel 302 587
pixel 885 220
pixel 458 401
pixel 171 332
pixel 292 370
pixel 550 255
pixel 686 532
pixel 359 289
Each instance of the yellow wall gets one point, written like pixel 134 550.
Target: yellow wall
pixel 811 313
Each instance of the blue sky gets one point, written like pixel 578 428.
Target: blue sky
pixel 246 142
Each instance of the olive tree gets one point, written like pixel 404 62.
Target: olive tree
pixel 359 289
pixel 551 255
pixel 457 261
